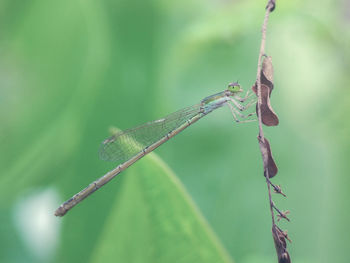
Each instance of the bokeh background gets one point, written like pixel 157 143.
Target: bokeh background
pixel 70 70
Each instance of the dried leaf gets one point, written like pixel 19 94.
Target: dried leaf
pixel 268 116
pixel 279 238
pixel 269 163
pixel 267 73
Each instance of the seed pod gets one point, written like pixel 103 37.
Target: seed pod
pixel 269 163
pixel 268 116
pixel 267 73
pixel 281 245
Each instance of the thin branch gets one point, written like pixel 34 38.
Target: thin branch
pixel 269 8
pixel 280 213
pixel 258 74
pixel 270 199
pixel 276 188
pixel 270 168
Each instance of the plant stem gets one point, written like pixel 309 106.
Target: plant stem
pixel 269 7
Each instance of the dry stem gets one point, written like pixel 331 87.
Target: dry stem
pixel 278 235
pixel 258 75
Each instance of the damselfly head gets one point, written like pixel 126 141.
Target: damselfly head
pixel 234 87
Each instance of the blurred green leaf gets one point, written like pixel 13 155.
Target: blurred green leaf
pixel 171 230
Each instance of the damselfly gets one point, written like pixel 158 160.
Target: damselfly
pixel 131 145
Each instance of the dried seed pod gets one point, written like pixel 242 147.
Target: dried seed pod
pixel 267 73
pixel 269 163
pixel 268 116
pixel 279 237
pixel 267 69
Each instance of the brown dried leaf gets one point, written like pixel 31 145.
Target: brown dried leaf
pixel 269 163
pixel 268 116
pixel 279 237
pixel 267 73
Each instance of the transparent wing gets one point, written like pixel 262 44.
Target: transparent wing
pixel 126 144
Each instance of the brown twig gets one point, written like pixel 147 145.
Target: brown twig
pixel 276 188
pixel 280 213
pixel 270 168
pixel 269 8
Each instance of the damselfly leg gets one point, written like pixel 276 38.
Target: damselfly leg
pixel 237 108
pixel 247 95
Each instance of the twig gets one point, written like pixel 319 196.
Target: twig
pixel 280 213
pixel 276 188
pixel 270 168
pixel 270 6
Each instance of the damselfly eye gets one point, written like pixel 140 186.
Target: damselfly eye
pixel 234 87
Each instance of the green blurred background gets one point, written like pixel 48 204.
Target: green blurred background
pixel 69 70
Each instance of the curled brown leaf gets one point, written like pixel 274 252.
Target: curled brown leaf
pixel 269 163
pixel 268 116
pixel 267 72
